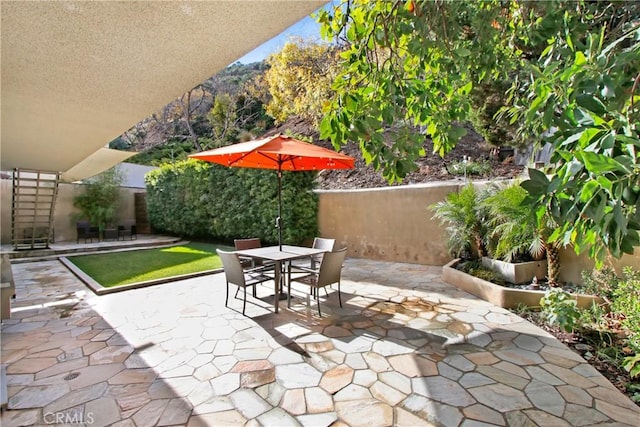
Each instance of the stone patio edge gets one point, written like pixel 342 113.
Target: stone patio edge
pixel 98 289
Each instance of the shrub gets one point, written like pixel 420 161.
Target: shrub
pixel 476 269
pixel 100 199
pixel 199 199
pixel 602 282
pixel 465 220
pixel 558 307
pixel 478 168
pixel 512 226
pixel 624 295
pixel 177 197
pixel 626 301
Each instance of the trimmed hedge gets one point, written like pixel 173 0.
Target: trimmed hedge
pixel 193 198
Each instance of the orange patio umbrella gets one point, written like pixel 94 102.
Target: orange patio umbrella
pixel 280 153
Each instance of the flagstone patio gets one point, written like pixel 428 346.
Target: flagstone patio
pixel 406 349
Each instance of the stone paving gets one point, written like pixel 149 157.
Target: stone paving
pixel 406 349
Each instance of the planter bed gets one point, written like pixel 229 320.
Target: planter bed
pixel 518 273
pixel 499 295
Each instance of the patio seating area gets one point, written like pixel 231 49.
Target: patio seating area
pixel 405 349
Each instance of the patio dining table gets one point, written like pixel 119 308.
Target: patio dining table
pixel 279 257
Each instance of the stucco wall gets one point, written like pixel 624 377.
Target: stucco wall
pixel 395 224
pixel 390 224
pixel 572 265
pixel 64 219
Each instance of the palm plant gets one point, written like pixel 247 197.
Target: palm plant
pixel 464 217
pixel 515 229
pixel 545 226
pixel 512 228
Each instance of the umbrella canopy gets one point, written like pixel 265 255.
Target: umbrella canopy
pixel 280 153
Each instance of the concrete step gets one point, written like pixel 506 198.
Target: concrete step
pixel 72 248
pixel 3 388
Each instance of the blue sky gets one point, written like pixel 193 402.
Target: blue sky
pixel 307 28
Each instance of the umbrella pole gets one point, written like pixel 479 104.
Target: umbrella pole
pixel 279 219
pixel 283 296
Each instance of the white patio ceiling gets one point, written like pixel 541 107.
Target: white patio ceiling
pixel 77 74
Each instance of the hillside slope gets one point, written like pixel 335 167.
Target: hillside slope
pixel 430 168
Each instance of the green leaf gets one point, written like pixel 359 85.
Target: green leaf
pixel 588 136
pixel 599 163
pixel 620 220
pixel 573 138
pixel 326 127
pixel 629 241
pixel 580 59
pixel 456 132
pixel 583 117
pixel 466 88
pixel 555 235
pixel 628 140
pixel 591 103
pixel 569 42
pixel 588 191
pixel 604 182
pixel 600 210
pixel 360 127
pixel 537 183
pixel 607 141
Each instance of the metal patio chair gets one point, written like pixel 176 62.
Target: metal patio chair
pixel 236 275
pixel 329 273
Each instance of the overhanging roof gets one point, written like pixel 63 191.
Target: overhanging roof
pixel 77 74
pixel 97 162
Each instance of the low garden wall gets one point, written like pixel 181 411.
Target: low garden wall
pixel 390 224
pixel 395 224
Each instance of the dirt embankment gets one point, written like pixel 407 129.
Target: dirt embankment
pixel 430 168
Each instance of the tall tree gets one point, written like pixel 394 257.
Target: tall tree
pixel 183 126
pixel 189 103
pixel 410 66
pixel 222 118
pixel 299 80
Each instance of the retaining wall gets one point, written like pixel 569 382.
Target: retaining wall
pixel 388 224
pixel 395 224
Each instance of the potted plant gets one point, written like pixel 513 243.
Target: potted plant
pixel 516 241
pixel 496 220
pixel 99 201
pixel 464 216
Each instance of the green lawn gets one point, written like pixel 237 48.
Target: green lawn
pixel 121 268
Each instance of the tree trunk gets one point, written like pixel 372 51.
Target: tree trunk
pixel 553 264
pixel 187 111
pixel 479 247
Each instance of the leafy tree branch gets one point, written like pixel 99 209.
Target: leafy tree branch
pixel 409 68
